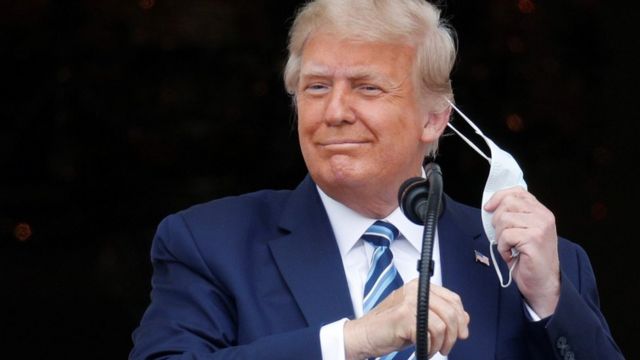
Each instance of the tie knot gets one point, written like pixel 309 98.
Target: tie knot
pixel 381 234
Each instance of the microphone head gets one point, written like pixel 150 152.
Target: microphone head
pixel 412 197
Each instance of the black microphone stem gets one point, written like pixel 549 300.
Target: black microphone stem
pixel 425 268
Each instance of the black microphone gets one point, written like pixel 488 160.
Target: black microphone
pixel 421 202
pixel 413 195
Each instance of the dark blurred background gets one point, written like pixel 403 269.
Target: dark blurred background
pixel 116 113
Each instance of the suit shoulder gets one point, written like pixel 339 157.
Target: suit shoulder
pixel 233 222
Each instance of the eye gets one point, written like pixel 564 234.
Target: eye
pixel 370 90
pixel 316 88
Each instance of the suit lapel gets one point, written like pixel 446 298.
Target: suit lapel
pixel 309 259
pixel 460 236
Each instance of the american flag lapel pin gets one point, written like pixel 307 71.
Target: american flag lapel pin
pixel 481 258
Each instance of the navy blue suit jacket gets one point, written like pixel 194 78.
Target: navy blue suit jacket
pixel 256 276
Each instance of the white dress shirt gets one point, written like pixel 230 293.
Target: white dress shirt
pixel 348 226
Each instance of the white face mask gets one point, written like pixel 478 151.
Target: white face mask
pixel 504 173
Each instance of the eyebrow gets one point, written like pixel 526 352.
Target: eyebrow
pixel 354 73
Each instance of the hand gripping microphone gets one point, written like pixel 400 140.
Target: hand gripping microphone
pixel 421 202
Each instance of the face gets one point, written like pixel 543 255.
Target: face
pixel 362 128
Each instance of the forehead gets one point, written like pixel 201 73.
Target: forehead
pixel 327 54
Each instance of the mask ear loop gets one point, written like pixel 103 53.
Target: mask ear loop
pixel 514 255
pixel 492 243
pixel 473 146
pixel 473 126
pixel 465 117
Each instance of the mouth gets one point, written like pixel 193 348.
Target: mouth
pixel 341 142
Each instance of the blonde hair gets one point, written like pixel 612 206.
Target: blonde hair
pixel 414 22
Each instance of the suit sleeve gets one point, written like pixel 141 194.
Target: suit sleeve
pixel 577 329
pixel 192 315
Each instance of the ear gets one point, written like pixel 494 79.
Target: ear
pixel 435 124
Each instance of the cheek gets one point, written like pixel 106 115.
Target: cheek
pixel 306 130
pixel 309 120
pixel 397 130
pixel 401 142
pixel 307 111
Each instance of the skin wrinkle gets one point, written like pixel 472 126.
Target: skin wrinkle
pixel 312 69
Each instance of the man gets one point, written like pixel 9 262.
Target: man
pixel 287 274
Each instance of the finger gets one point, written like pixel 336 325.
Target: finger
pixel 516 205
pixel 510 238
pixel 516 209
pixel 448 307
pixel 508 224
pixel 515 238
pixel 510 220
pixel 405 294
pixel 464 333
pixel 497 198
pixel 437 332
pixel 525 232
pixel 535 218
pixel 454 300
pixel 446 325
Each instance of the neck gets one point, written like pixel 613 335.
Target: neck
pixel 371 204
pixel 373 210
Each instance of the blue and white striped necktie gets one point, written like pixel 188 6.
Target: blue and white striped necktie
pixel 383 277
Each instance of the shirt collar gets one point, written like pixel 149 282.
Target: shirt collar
pixel 348 225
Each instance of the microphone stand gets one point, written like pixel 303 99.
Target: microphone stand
pixel 425 264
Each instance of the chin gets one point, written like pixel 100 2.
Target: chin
pixel 346 171
pixel 345 181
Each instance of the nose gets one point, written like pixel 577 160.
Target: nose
pixel 339 109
